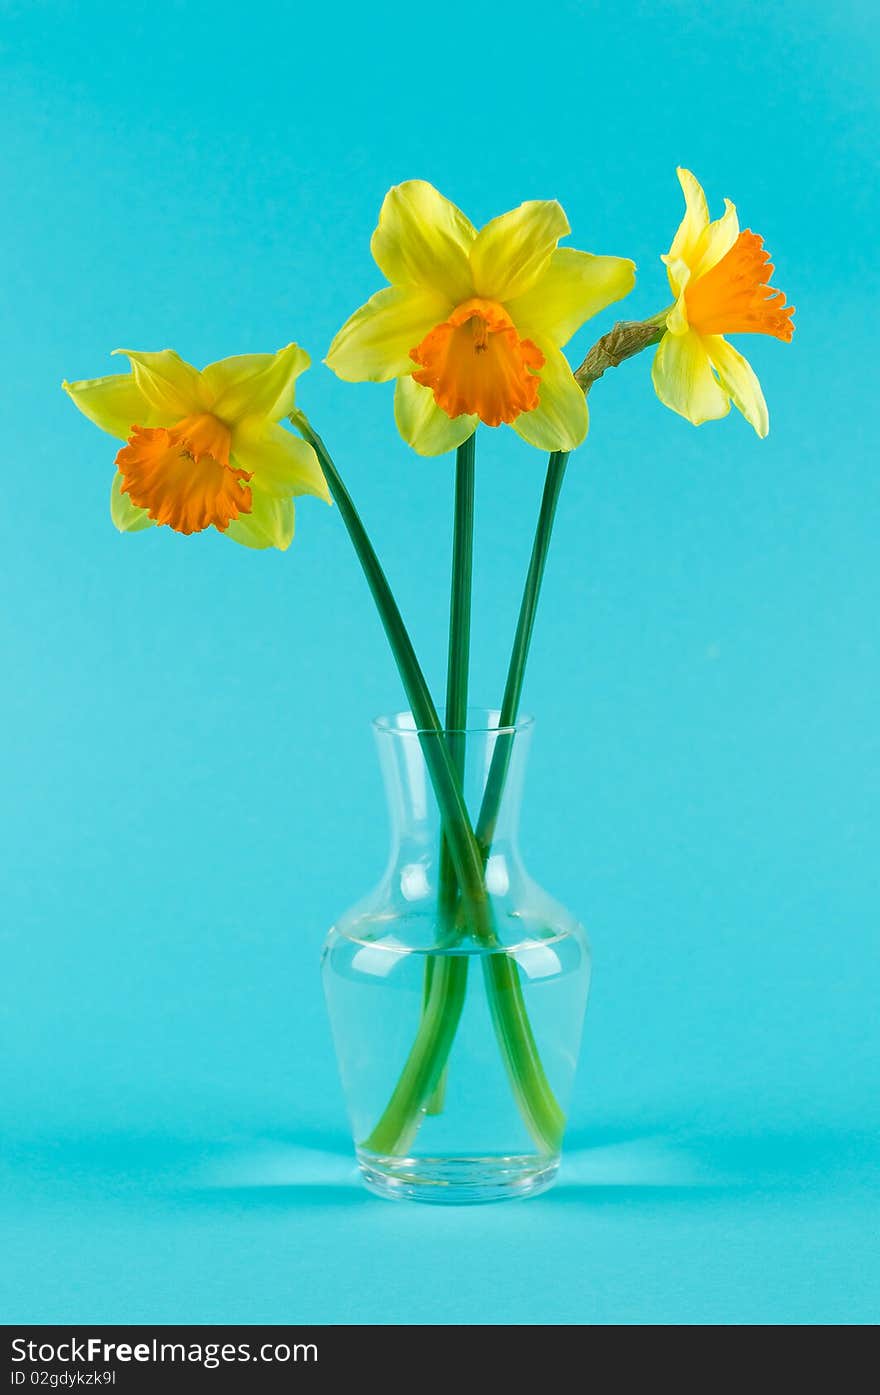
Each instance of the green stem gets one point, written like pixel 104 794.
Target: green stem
pixel 519 1051
pixel 529 1083
pixel 458 663
pixel 436 1032
pixel 528 1080
pixel 500 763
pixel 456 821
pixel 457 672
pixel 442 1009
pixel 427 1058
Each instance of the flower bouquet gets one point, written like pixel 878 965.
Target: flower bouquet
pixel 457 988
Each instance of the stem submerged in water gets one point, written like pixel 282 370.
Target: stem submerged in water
pixel 427 1059
pixel 528 1080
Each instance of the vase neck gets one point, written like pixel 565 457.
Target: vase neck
pixel 413 810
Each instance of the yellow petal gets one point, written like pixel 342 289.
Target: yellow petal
pixel 693 224
pixel 281 463
pixel 739 381
pixel 169 384
pixel 677 319
pixel 679 273
pixel 374 344
pixel 561 419
pixel 423 240
pixel 573 287
pixel 683 379
pixel 269 524
pixel 716 241
pixel 127 517
pixel 113 403
pixel 512 251
pixel 423 425
pixel 254 384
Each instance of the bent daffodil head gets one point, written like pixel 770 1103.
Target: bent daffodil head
pixel 720 278
pixel 204 449
pixel 473 323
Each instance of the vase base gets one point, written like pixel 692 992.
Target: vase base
pixel 457 1181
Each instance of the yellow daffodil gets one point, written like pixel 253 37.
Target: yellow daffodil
pixel 473 323
pixel 720 279
pixel 204 449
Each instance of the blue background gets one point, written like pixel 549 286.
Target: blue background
pixel 189 786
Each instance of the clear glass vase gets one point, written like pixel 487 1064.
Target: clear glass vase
pixel 457 1049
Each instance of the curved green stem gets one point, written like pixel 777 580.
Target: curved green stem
pixel 528 1080
pixel 427 1058
pixel 444 778
pixel 439 1024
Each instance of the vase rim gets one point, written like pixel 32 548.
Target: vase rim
pixel 481 721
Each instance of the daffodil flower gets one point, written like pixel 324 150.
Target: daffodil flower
pixel 720 279
pixel 204 449
pixel 473 323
